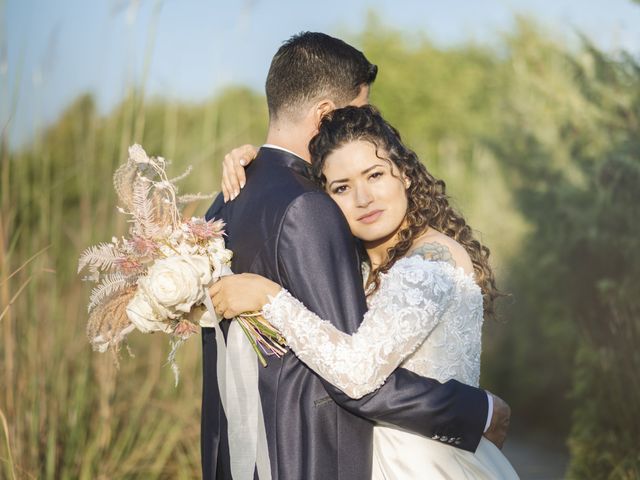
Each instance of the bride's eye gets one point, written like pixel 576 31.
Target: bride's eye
pixel 375 175
pixel 339 189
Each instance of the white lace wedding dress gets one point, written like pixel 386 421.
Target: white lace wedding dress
pixel 426 317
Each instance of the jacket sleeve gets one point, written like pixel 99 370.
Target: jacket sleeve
pixel 317 263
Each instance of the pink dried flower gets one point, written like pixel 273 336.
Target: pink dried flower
pixel 128 264
pixel 203 230
pixel 185 328
pixel 144 247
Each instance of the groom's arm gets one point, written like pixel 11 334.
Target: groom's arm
pixel 317 263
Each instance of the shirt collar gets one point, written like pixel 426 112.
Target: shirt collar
pixel 278 147
pixel 290 159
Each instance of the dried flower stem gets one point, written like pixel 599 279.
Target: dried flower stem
pixel 262 336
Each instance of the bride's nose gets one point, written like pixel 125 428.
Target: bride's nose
pixel 363 196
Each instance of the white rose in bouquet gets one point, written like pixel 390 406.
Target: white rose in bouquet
pixel 220 257
pixel 173 285
pixel 144 317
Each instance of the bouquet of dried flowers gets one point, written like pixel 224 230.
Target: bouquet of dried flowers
pixel 158 278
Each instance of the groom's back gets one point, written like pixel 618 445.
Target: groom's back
pixel 309 436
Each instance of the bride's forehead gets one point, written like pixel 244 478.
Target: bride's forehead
pixel 352 158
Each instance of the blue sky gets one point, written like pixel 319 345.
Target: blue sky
pixel 50 51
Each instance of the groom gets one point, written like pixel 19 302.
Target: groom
pixel 285 228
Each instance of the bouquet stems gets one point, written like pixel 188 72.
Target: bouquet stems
pixel 264 339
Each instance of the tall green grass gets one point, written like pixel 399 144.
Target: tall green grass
pixel 69 412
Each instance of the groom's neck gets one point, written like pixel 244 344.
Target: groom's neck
pixel 290 136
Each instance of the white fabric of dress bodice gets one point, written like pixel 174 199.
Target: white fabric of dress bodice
pixel 426 316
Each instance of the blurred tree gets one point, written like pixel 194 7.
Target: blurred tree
pixel 571 150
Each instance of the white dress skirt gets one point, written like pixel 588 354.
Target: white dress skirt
pixel 399 455
pixel 426 316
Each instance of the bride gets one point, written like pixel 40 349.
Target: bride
pixel 428 283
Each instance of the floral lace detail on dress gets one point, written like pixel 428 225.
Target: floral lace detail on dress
pixel 416 299
pixel 452 350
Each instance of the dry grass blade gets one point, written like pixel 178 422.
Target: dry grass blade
pixel 5 428
pixel 193 197
pixel 26 262
pixel 15 296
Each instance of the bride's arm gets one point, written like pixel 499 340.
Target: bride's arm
pixel 411 300
pixel 408 306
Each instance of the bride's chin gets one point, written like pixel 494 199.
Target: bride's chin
pixel 373 238
pixel 378 235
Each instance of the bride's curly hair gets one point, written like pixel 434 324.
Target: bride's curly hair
pixel 428 204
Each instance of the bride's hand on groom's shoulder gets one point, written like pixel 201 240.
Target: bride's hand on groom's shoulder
pixel 497 431
pixel 233 177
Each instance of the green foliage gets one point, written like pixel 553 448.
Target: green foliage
pixel 572 153
pixel 605 432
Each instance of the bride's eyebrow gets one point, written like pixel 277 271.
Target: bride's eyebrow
pixel 364 172
pixel 339 181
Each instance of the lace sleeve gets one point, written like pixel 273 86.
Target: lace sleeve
pixel 409 304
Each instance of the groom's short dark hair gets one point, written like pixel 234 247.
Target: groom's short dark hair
pixel 311 65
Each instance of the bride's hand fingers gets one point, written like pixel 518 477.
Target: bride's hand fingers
pixel 228 175
pixel 217 298
pixel 240 175
pixel 224 310
pixel 215 289
pixel 246 153
pixel 233 173
pixel 227 191
pixel 219 308
pixel 230 313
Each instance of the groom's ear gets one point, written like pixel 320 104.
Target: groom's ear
pixel 321 109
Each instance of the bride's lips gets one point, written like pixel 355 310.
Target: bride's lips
pixel 370 217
